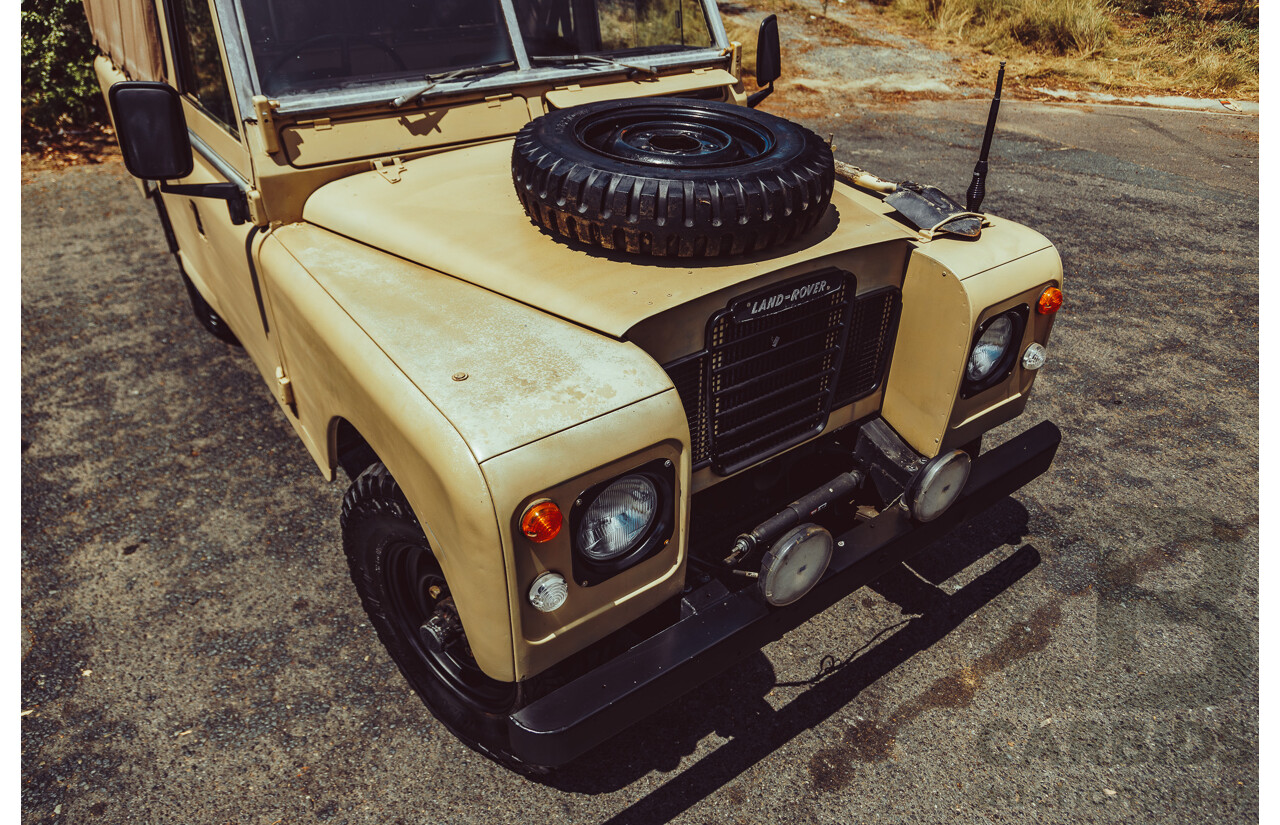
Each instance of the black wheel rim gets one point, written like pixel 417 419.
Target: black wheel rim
pixel 423 612
pixel 657 136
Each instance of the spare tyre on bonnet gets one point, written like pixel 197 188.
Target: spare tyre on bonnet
pixel 611 429
pixel 685 178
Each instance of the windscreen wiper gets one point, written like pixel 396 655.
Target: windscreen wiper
pixel 570 59
pixel 454 74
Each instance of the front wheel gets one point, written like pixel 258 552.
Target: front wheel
pixel 408 601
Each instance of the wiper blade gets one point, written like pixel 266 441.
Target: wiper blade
pixel 570 59
pixel 454 74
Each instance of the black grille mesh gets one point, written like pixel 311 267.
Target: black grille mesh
pixel 871 333
pixel 765 384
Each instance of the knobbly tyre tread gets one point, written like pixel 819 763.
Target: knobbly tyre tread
pixel 372 502
pixel 704 213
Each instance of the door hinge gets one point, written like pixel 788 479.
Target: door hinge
pixel 496 101
pixel 264 110
pixel 284 390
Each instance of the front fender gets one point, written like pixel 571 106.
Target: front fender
pixel 951 285
pixel 440 376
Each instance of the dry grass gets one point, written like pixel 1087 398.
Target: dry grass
pixel 744 31
pixel 1201 48
pixel 1078 27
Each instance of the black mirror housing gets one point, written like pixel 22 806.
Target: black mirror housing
pixel 768 59
pixel 151 129
pixel 768 52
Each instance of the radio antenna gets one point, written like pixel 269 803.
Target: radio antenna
pixel 978 189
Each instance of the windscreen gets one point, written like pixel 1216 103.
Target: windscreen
pixel 313 45
pixel 309 45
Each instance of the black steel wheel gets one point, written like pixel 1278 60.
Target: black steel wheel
pixel 407 598
pixel 672 177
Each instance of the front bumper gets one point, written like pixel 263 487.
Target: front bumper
pixel 720 628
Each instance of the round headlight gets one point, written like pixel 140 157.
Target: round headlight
pixel 990 349
pixel 794 564
pixel 939 485
pixel 618 518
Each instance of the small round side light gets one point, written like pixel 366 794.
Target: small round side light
pixel 548 592
pixel 541 521
pixel 1050 301
pixel 1034 357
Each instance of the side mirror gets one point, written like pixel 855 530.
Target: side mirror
pixel 152 132
pixel 151 129
pixel 768 59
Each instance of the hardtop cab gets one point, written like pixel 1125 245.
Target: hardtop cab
pixel 622 369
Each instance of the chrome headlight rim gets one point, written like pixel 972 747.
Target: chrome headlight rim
pixel 588 571
pixel 1008 359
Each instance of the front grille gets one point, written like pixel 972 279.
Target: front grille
pixel 764 384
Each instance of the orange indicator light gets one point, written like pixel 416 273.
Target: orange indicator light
pixel 1050 300
pixel 542 521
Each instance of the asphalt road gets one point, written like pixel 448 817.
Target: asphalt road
pixel 193 651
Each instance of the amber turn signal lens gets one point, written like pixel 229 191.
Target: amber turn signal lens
pixel 1050 300
pixel 542 521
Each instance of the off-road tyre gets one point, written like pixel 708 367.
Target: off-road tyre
pixel 672 177
pixel 399 581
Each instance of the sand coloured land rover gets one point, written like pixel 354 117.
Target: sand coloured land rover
pixel 629 376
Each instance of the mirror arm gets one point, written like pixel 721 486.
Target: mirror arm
pixel 754 99
pixel 237 203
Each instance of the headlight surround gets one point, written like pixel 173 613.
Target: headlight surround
pixel 996 344
pixel 620 522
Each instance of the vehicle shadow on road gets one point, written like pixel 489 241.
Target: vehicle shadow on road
pixel 733 705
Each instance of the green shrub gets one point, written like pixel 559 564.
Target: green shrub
pixel 59 88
